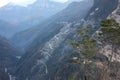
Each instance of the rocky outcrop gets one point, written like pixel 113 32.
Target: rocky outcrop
pixel 116 13
pixel 100 11
pixel 97 13
pixel 106 50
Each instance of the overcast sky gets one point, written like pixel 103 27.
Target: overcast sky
pixel 23 2
pixel 60 0
pixel 19 2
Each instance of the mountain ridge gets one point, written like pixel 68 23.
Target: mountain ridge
pixel 60 17
pixel 31 15
pixel 47 58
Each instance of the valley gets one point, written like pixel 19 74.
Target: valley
pixel 35 40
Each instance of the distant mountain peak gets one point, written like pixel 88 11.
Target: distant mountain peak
pixel 42 1
pixel 45 4
pixel 10 6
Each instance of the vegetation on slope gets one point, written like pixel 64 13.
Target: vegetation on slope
pixel 92 68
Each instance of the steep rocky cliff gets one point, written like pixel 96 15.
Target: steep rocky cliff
pixel 107 49
pixel 116 13
pixel 101 10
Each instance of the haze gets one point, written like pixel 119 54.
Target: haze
pixel 23 2
pixel 27 2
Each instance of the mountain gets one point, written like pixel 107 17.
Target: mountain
pixel 50 48
pixel 9 56
pixel 98 13
pixel 47 49
pixel 25 38
pixel 6 29
pixel 41 8
pixel 22 18
pixel 116 13
pixel 3 75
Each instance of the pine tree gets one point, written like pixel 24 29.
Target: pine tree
pixel 86 47
pixel 110 34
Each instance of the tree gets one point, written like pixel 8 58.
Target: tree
pixel 110 34
pixel 85 46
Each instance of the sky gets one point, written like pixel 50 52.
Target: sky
pixel 60 0
pixel 18 2
pixel 23 2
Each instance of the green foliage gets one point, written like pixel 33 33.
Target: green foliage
pixel 110 31
pixel 86 45
pixel 110 34
pixel 74 76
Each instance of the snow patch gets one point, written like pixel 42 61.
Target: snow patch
pixel 75 58
pixel 18 57
pixel 6 70
pixel 92 13
pixel 96 9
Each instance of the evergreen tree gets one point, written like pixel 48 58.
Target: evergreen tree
pixel 86 47
pixel 110 34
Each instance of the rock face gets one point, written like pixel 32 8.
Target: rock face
pixel 107 49
pixel 97 13
pixel 48 52
pixel 116 13
pixel 100 11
